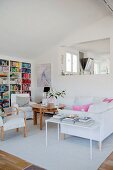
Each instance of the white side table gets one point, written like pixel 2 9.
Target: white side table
pixel 90 128
pixel 52 120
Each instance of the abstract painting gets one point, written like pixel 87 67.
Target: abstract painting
pixel 44 75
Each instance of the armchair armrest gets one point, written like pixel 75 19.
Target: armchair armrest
pixel 1 121
pixel 22 111
pixel 31 103
pixel 10 110
pixel 15 105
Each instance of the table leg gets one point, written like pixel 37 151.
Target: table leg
pixel 46 134
pixel 40 119
pixel 91 149
pixel 58 131
pixel 34 118
pixel 100 142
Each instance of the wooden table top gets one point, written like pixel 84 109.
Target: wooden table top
pixel 108 163
pixel 49 106
pixel 11 162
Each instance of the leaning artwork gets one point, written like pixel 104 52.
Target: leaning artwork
pixel 44 75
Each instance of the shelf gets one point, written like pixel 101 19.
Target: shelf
pixel 15 90
pixel 15 77
pixel 15 72
pixel 4 65
pixel 26 90
pixel 4 99
pixel 3 77
pixel 26 68
pixel 26 83
pixel 3 91
pixel 15 84
pixel 26 78
pixel 4 71
pixel 14 67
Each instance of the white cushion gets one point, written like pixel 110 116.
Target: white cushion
pixel 13 97
pixel 98 99
pixel 110 105
pixel 98 107
pixel 13 123
pixel 83 100
pixel 22 101
pixel 26 109
pixel 68 101
pixel 66 112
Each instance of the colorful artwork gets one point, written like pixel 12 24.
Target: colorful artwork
pixel 44 75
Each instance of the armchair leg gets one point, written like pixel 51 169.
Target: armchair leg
pixel 2 133
pixel 25 131
pixel 17 129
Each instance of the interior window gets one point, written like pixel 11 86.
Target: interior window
pixel 74 63
pixel 68 62
pixel 71 63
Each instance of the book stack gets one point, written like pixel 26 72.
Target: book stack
pixel 81 121
pixel 59 116
pixel 68 120
pixel 84 121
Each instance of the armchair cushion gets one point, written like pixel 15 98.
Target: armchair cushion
pixel 27 109
pixel 14 123
pixel 22 101
pixel 98 107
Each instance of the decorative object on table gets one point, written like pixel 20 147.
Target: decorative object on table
pixel 44 102
pixel 53 96
pixel 56 94
pixel 45 91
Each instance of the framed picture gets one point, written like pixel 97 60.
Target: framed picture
pixel 44 75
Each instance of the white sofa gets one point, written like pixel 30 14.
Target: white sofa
pixel 101 112
pixel 27 109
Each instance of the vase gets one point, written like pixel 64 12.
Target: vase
pixel 53 100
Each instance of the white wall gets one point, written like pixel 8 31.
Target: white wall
pixel 82 85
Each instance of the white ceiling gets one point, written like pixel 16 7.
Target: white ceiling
pixel 29 28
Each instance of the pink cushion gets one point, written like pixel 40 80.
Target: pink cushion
pixel 108 100
pixel 82 107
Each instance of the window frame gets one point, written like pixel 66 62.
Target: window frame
pixel 77 65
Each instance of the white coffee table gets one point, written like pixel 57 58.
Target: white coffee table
pixel 90 128
pixel 51 120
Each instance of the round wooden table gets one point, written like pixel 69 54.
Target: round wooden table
pixel 39 108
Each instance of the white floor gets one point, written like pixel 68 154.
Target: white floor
pixel 69 154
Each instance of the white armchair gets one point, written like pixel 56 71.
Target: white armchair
pixel 11 119
pixel 25 104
